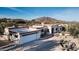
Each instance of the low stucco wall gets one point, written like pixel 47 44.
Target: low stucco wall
pixel 3 37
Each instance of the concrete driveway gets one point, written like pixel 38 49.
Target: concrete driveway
pixel 39 45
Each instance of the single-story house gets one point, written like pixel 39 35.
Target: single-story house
pixel 24 35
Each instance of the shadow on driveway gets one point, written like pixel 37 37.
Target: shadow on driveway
pixel 46 46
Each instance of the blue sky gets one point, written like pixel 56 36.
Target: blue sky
pixel 60 13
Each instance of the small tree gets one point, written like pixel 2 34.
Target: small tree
pixel 1 29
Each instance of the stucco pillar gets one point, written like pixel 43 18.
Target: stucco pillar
pixel 50 29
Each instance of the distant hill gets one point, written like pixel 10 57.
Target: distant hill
pixel 48 20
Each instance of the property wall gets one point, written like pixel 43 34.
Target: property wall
pixel 28 38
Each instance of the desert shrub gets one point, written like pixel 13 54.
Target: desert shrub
pixel 74 30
